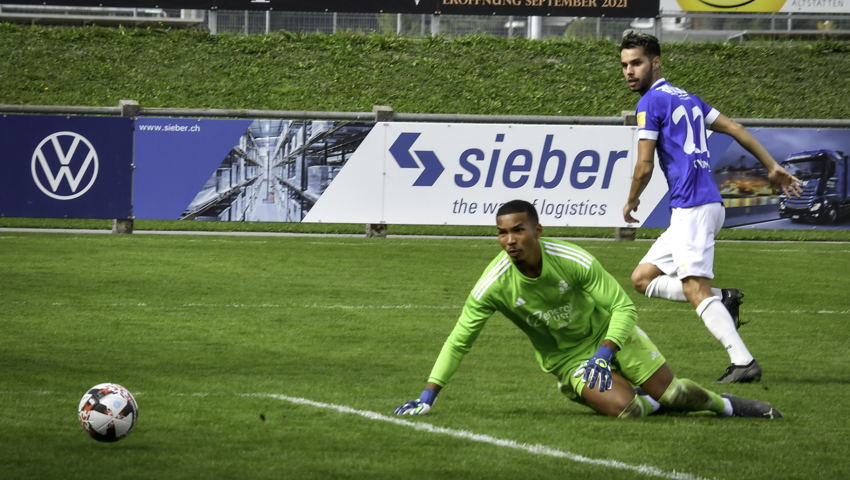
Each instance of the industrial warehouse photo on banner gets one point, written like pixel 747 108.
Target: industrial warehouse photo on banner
pixel 66 166
pixel 238 170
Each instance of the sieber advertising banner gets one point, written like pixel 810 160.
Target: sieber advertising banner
pixel 459 174
pixel 317 171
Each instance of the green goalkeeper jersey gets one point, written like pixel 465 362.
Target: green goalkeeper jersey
pixel 566 312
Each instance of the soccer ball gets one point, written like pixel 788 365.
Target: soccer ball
pixel 108 412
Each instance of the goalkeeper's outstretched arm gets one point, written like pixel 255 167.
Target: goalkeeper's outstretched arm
pixel 421 406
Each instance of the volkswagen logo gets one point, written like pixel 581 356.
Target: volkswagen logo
pixel 68 156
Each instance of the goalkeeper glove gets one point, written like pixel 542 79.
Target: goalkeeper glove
pixel 417 407
pixel 598 368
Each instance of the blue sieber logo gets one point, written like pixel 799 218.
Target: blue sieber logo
pixel 400 150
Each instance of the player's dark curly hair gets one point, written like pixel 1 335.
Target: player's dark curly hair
pixel 649 43
pixel 519 206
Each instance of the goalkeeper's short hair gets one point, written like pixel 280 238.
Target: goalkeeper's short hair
pixel 519 206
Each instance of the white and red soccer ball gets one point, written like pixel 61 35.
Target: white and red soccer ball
pixel 108 412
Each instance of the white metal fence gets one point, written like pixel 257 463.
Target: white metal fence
pixel 668 26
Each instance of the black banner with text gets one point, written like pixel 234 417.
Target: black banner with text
pixel 565 8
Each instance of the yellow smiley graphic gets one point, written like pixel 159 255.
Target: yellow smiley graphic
pixel 731 5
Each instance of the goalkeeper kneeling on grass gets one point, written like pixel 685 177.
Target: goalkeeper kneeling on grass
pixel 581 324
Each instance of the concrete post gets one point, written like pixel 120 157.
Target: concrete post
pixel 122 225
pixel 212 21
pixel 535 28
pixel 383 113
pixel 129 108
pixel 435 25
pixel 376 230
pixel 626 233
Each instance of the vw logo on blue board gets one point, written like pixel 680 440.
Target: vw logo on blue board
pixel 66 150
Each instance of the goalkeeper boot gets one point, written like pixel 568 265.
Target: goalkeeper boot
pixel 732 299
pixel 748 373
pixel 742 407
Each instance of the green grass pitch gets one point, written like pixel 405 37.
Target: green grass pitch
pixel 247 356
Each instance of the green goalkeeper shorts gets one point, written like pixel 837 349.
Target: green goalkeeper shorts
pixel 636 361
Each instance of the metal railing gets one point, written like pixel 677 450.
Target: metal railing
pixel 381 113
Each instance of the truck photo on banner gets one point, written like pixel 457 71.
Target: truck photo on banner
pixel 817 157
pixel 814 156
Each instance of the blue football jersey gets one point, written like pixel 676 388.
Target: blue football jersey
pixel 677 121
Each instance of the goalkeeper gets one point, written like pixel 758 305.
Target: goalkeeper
pixel 581 324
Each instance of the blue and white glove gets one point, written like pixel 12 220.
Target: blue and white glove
pixel 598 368
pixel 417 407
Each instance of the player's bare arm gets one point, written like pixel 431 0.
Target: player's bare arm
pixel 641 178
pixel 613 346
pixel 775 173
pixel 433 386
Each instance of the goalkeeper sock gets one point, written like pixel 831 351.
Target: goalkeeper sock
pixel 720 324
pixel 670 288
pixel 688 395
pixel 652 403
pixel 639 408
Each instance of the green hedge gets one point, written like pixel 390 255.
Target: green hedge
pixel 96 66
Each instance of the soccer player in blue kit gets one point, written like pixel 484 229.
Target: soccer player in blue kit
pixel 679 265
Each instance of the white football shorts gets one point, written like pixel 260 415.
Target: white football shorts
pixel 686 248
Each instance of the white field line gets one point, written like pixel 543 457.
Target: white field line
pixel 404 306
pixel 407 306
pixel 477 437
pixel 417 240
pixel 463 434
